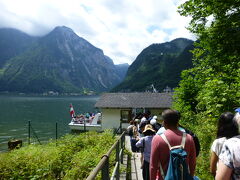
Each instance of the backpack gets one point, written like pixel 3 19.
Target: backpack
pixel 195 139
pixel 194 136
pixel 130 131
pixel 177 167
pixel 141 149
pixel 134 148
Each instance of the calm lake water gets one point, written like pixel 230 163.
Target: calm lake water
pixel 43 112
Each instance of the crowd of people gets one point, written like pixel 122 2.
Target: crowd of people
pixel 83 118
pixel 163 145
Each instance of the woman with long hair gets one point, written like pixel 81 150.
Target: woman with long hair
pixel 229 159
pixel 227 128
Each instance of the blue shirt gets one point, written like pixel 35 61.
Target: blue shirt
pixel 147 146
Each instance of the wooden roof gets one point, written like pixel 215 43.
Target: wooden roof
pixel 135 100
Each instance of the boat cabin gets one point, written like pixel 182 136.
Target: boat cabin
pixel 119 108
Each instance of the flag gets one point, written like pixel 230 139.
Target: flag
pixel 72 113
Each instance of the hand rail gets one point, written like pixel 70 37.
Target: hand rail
pixel 103 164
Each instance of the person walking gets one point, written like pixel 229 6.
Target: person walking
pixel 145 144
pixel 130 128
pixel 185 130
pixel 134 136
pixel 160 152
pixel 229 164
pixel 229 158
pixel 227 128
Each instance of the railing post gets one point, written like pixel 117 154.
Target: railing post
pixel 29 131
pixel 56 133
pixel 117 160
pixel 103 165
pixel 122 146
pixel 105 170
pixel 120 126
pixel 34 133
pixel 84 125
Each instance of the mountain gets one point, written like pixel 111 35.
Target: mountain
pixel 12 43
pixel 158 64
pixel 59 61
pixel 121 70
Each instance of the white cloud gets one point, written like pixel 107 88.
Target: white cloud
pixel 122 29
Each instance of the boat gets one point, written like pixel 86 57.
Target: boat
pixel 90 122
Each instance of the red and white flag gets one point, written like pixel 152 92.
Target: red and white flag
pixel 72 113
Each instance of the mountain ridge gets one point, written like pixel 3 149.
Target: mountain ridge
pixel 59 61
pixel 10 46
pixel 62 61
pixel 158 64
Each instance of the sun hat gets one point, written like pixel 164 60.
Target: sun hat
pixel 155 117
pixel 148 127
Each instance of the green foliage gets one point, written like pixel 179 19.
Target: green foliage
pixel 212 86
pixel 73 158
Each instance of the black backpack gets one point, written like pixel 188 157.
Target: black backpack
pixel 130 131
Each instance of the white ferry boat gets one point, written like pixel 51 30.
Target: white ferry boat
pixel 85 122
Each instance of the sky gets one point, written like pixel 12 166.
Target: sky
pixel 121 28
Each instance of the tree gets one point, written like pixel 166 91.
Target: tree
pixel 212 86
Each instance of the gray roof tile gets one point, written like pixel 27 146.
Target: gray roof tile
pixel 135 100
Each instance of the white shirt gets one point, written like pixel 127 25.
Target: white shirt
pixel 230 155
pixel 217 145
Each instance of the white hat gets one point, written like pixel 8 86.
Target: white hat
pixel 153 121
pixel 143 119
pixel 136 120
pixel 155 117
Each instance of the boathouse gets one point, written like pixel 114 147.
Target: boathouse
pixel 119 108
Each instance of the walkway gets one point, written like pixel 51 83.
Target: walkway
pixel 136 171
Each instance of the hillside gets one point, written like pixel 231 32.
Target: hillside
pixel 62 62
pixel 158 64
pixel 12 43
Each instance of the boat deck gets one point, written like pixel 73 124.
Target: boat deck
pixel 87 126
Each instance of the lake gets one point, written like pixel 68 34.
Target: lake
pixel 43 113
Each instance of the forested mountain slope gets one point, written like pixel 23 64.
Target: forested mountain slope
pixel 60 61
pixel 158 64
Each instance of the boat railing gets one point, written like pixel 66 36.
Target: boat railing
pixel 103 164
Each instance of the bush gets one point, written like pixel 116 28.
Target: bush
pixel 74 157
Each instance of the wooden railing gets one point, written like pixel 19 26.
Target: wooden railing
pixel 103 165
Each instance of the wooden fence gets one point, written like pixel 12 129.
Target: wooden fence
pixel 103 165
